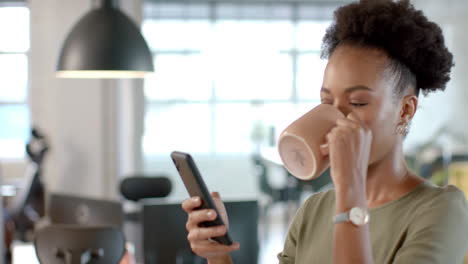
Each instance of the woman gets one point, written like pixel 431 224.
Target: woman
pixel 382 54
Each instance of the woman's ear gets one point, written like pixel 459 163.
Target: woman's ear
pixel 409 105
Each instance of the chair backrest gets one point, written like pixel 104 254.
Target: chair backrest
pixel 62 244
pixel 64 209
pixel 138 187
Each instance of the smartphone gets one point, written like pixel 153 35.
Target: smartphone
pixel 195 186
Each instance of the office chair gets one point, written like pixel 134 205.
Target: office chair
pixel 65 209
pixel 140 188
pixel 67 244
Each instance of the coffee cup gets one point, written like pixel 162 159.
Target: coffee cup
pixel 300 144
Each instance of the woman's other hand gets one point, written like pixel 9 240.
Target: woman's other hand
pixel 199 237
pixel 349 146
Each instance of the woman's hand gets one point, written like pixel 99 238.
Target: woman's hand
pixel 199 237
pixel 349 146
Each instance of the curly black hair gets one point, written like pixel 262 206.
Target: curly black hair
pixel 415 45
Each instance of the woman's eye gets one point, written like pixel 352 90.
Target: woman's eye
pixel 326 101
pixel 358 104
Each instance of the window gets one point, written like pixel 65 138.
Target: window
pixel 14 112
pixel 229 76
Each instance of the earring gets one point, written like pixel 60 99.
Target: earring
pixel 398 129
pixel 403 129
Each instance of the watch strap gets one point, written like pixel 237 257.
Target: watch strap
pixel 340 218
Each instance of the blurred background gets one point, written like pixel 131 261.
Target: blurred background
pixel 229 76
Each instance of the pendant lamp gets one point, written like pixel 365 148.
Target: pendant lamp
pixel 105 43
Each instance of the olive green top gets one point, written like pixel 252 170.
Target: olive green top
pixel 427 225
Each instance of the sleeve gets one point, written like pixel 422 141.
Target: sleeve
pixel 287 256
pixel 439 233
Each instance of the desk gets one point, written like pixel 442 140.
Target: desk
pixel 23 253
pixel 26 253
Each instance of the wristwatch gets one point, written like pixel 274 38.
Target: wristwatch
pixel 357 215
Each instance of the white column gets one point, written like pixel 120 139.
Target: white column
pixel 80 117
pixel 132 109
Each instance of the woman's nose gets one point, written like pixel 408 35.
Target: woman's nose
pixel 343 109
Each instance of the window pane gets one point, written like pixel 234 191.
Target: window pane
pixel 177 34
pixel 252 36
pixel 277 116
pixel 15 130
pixel 312 11
pixel 253 11
pixel 185 127
pixel 14 38
pixel 234 128
pixel 14 77
pixel 183 77
pixel 310 34
pixel 167 10
pixel 244 128
pixel 247 76
pixel 280 115
pixel 310 76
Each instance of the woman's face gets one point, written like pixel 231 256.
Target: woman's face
pixel 355 80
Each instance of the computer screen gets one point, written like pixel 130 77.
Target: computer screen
pixel 165 236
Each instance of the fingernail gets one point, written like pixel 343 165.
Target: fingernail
pixel 210 214
pixel 195 199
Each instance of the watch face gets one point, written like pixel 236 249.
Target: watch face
pixel 358 216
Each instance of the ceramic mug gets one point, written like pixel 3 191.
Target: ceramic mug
pixel 299 144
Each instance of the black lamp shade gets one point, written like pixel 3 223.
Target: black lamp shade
pixel 105 43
